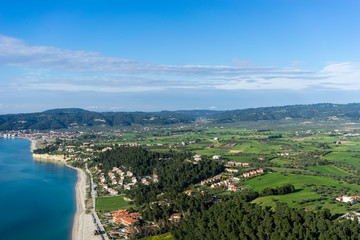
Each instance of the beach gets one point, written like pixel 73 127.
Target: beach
pixel 83 226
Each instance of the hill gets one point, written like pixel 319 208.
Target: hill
pixel 68 118
pixel 75 117
pixel 322 111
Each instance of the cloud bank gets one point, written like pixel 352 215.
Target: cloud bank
pixel 55 69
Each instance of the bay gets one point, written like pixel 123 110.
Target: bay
pixel 37 199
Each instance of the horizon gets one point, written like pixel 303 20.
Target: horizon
pixel 164 110
pixel 125 56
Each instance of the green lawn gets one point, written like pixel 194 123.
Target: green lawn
pixel 111 203
pixel 329 169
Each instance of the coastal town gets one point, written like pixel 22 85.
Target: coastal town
pixel 111 205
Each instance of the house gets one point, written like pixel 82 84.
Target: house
pixel 216 157
pixel 128 221
pixel 176 217
pixel 231 187
pixel 189 192
pixel 121 182
pixel 347 198
pixel 231 170
pixel 114 182
pixel 111 175
pixel 112 192
pixel 129 174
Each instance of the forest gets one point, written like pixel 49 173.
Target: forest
pixel 239 219
pixel 175 171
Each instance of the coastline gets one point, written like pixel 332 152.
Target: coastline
pixel 83 226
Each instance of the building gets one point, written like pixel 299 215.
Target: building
pixel 347 198
pixel 176 217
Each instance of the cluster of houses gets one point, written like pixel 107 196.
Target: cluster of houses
pixel 283 154
pixel 230 170
pixel 222 183
pixel 213 179
pixel 347 198
pixel 238 164
pixel 228 183
pixel 252 173
pixel 127 186
pixel 123 216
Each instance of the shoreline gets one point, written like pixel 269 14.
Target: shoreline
pixel 83 226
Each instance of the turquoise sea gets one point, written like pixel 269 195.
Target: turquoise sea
pixel 37 199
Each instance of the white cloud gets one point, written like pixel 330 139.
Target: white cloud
pixel 345 76
pixel 55 69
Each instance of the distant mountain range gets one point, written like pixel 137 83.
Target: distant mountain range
pixel 75 117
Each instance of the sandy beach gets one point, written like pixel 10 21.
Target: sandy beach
pixel 84 227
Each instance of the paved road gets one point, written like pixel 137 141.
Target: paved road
pixel 93 212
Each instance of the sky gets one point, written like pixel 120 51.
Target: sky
pixel 141 55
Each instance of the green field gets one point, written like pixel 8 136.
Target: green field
pixel 303 192
pixel 277 179
pixel 352 158
pixel 329 169
pixel 111 203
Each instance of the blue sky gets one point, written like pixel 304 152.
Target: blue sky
pixel 167 55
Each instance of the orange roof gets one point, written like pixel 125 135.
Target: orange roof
pixel 339 198
pixel 129 220
pixel 135 214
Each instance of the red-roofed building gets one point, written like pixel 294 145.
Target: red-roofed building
pixel 128 221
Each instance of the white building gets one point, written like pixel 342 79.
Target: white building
pixel 347 198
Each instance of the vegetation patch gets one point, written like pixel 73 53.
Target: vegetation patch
pixel 329 169
pixel 111 203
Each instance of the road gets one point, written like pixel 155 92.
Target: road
pixel 93 212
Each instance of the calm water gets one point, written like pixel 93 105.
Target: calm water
pixel 37 199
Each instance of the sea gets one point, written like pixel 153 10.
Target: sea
pixel 37 199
